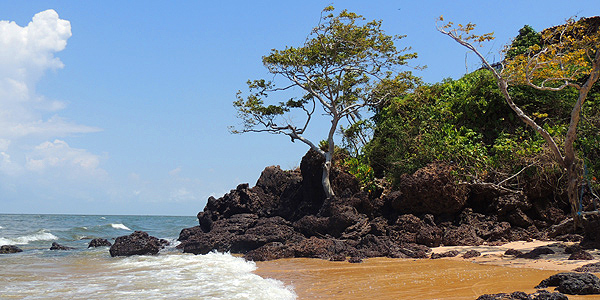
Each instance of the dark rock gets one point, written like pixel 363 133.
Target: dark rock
pixel 99 243
pixel 312 225
pixel 589 268
pixel 563 228
pixel 471 254
pixel 464 235
pixel 504 296
pixel 452 253
pixel 569 238
pixel 430 236
pixel 518 218
pixel 267 230
pixel 8 249
pixel 581 255
pixel 513 252
pixel 57 246
pixel 430 190
pixel 573 283
pixel 270 251
pixel 338 257
pixel 546 295
pixel 315 248
pixel 355 260
pixel 536 253
pixel 539 295
pixel 137 243
pixel 591 229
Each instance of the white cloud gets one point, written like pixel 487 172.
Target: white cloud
pixel 59 155
pixel 175 171
pixel 26 53
pixel 28 121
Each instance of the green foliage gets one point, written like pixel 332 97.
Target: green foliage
pixel 527 37
pixel 362 171
pixel 466 122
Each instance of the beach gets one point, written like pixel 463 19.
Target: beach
pixel 446 278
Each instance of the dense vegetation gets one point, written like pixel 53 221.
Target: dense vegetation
pixel 466 122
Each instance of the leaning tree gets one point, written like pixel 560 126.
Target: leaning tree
pixel 567 57
pixel 337 69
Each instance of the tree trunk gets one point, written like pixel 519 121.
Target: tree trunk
pixel 573 192
pixel 325 179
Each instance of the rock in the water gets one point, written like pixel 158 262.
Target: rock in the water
pixel 7 249
pixel 573 283
pixel 99 243
pixel 581 255
pixel 57 246
pixel 137 243
pixel 451 253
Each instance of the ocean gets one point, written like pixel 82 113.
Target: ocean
pixel 91 273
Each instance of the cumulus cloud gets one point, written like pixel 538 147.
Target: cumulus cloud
pixel 30 126
pixel 26 54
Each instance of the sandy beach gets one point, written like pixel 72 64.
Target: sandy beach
pixel 445 278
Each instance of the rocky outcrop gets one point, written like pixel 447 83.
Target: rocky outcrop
pixel 286 214
pixel 137 243
pixel 99 243
pixel 8 249
pixel 573 283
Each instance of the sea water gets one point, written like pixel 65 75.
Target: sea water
pixel 91 273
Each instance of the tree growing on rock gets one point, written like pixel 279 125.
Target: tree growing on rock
pixel 567 57
pixel 337 69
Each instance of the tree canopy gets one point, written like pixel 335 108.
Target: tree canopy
pixel 338 69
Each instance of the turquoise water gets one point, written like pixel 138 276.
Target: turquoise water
pixel 90 273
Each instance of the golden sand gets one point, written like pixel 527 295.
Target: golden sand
pixel 448 278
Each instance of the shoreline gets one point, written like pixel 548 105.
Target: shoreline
pixel 445 278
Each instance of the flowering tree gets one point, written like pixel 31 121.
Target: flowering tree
pixel 568 57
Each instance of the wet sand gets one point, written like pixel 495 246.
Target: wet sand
pixel 448 278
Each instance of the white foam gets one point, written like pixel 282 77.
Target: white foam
pixel 213 276
pixel 120 226
pixel 41 235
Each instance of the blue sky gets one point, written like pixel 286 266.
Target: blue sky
pixel 123 107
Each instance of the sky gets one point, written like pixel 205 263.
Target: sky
pixel 123 107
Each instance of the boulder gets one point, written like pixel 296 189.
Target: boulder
pixel 432 189
pixel 137 243
pixel 8 249
pixel 57 246
pixel 471 254
pixel 573 283
pixel 99 243
pixel 536 253
pixel 581 255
